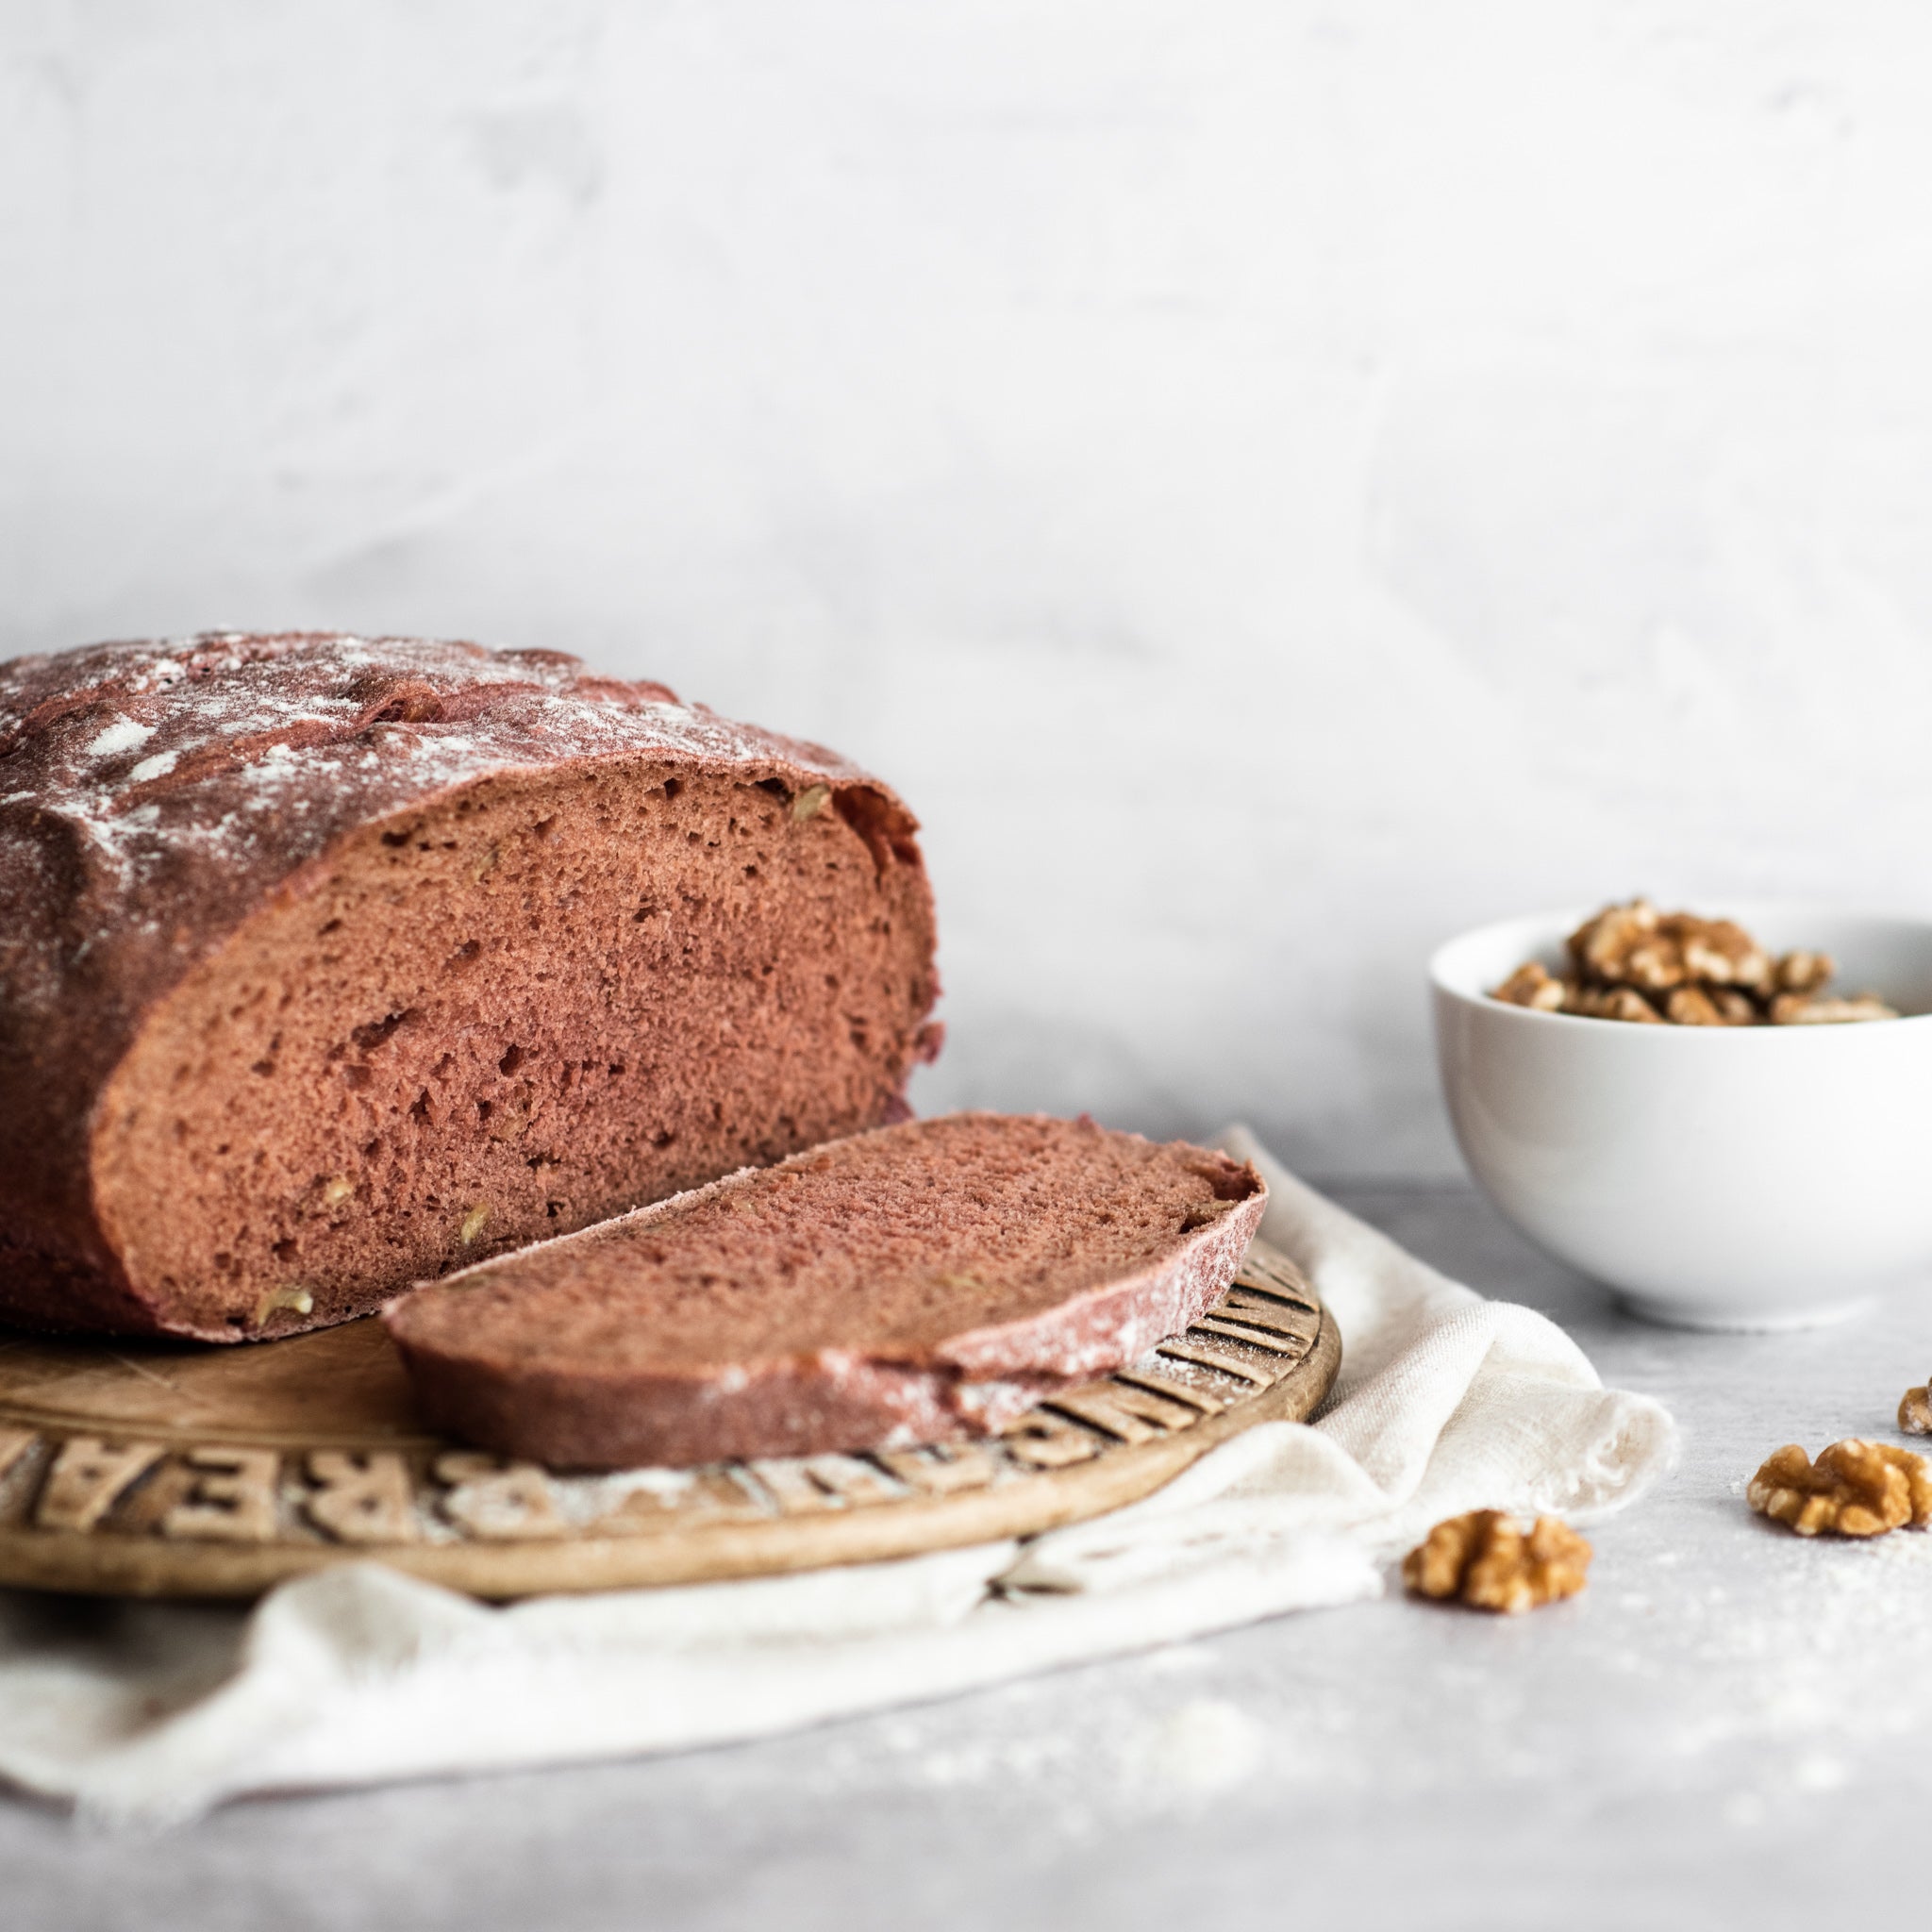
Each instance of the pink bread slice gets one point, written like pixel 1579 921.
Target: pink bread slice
pixel 919 1283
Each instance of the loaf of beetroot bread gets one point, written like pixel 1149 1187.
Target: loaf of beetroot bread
pixel 925 1282
pixel 327 964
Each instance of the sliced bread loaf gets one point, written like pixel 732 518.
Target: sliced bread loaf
pixel 919 1283
pixel 329 963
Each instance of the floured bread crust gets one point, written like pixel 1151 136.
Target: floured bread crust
pixel 327 963
pixel 920 1283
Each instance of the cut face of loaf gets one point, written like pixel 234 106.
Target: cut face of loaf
pixel 922 1283
pixel 468 982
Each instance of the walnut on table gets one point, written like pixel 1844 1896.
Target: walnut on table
pixel 1915 1412
pixel 1486 1559
pixel 1854 1489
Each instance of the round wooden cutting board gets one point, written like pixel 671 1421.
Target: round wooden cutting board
pixel 150 1470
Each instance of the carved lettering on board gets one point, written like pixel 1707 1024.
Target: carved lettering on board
pixel 14 1443
pixel 499 1502
pixel 1292 1346
pixel 943 1470
pixel 362 1499
pixel 1276 1275
pixel 1253 1309
pixel 1042 1439
pixel 1204 1355
pixel 88 1479
pixel 232 1498
pixel 802 1486
pixel 702 1495
pixel 1127 1413
pixel 1201 1400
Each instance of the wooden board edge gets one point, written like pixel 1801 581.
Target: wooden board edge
pixel 97 1564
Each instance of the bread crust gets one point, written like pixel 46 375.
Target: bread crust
pixel 156 796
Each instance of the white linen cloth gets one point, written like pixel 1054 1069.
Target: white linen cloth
pixel 1445 1402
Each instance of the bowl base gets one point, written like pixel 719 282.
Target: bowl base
pixel 1718 1317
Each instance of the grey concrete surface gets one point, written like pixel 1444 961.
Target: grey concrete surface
pixel 1728 1727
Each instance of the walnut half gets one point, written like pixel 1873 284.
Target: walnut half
pixel 1638 945
pixel 1530 985
pixel 1854 1489
pixel 1485 1559
pixel 1915 1412
pixel 1826 1009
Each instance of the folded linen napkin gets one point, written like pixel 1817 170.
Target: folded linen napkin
pixel 1445 1402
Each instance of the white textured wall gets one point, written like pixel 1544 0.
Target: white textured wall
pixel 1271 483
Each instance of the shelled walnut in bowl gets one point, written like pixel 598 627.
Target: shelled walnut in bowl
pixel 1632 963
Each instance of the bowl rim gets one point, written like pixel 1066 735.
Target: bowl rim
pixel 1556 923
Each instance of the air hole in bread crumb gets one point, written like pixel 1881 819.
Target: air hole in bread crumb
pixel 511 1060
pixel 377 1031
pixel 672 787
pixel 1228 1181
pixel 283 1251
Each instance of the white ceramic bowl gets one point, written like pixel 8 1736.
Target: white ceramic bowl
pixel 1717 1178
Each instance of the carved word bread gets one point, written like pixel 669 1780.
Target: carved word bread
pixel 1633 963
pixel 327 964
pixel 922 1283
